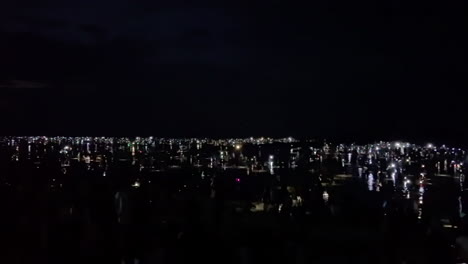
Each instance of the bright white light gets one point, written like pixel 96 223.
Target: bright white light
pixel 136 184
pixel 430 145
pixel 325 196
pixel 238 147
pixel 397 145
pixel 272 157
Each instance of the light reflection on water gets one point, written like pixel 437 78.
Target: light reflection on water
pixel 421 198
pixel 406 182
pixel 370 182
pixel 374 182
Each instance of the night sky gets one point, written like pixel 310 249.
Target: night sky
pixel 336 69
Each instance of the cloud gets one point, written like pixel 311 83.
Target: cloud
pixel 21 84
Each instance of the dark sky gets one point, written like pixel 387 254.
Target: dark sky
pixel 338 69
